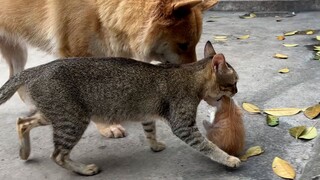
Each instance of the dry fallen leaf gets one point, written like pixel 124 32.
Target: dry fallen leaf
pixel 250 108
pixel 312 112
pixel 290 45
pixel 253 151
pixel 283 169
pixel 220 38
pixel 296 132
pixel 281 38
pixel 309 32
pixel 244 37
pixel 280 56
pixel 284 70
pixel 290 33
pixel 282 111
pixel 309 133
pixel 318 38
pixel 248 16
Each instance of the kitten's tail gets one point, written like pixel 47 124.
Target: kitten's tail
pixel 11 86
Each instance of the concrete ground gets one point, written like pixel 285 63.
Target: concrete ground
pixel 260 84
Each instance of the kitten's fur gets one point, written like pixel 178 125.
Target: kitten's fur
pixel 67 93
pixel 227 129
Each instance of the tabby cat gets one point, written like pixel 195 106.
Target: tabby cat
pixel 226 128
pixel 68 93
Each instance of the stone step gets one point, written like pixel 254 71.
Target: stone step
pixel 268 5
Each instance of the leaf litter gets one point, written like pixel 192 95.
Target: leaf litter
pixel 283 169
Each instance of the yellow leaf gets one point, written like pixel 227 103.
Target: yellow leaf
pixel 253 151
pixel 290 33
pixel 284 70
pixel 309 32
pixel 290 45
pixel 280 56
pixel 244 37
pixel 281 38
pixel 312 112
pixel 282 111
pixel 318 38
pixel 250 108
pixel 220 37
pixel 283 169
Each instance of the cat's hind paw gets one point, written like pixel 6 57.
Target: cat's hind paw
pixel 157 147
pixel 233 162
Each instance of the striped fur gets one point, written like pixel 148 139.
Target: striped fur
pixel 69 93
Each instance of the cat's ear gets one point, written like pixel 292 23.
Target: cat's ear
pixel 207 125
pixel 209 50
pixel 219 63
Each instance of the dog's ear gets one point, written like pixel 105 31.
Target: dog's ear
pixel 209 50
pixel 208 4
pixel 182 8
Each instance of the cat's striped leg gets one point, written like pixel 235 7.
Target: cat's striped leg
pixel 149 128
pixel 24 125
pixel 66 134
pixel 184 126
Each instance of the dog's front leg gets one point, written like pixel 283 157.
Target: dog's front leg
pixel 109 130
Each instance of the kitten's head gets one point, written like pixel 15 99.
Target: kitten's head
pixel 223 78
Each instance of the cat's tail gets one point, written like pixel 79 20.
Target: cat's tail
pixel 12 85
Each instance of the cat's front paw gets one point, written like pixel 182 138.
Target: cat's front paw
pixel 113 131
pixel 157 147
pixel 233 162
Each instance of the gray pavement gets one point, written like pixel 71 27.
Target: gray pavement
pixel 260 84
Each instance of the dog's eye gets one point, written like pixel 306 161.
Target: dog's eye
pixel 183 46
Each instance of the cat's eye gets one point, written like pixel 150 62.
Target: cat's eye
pixel 183 46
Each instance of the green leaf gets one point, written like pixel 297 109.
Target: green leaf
pixel 272 120
pixel 297 131
pixel 318 38
pixel 309 133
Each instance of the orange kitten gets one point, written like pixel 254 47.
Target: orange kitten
pixel 227 130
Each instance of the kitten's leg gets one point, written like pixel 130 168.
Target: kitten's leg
pixel 184 126
pixel 108 130
pixel 149 128
pixel 24 125
pixel 66 134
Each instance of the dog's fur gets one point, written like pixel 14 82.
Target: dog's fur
pixel 161 30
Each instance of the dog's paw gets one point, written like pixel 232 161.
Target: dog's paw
pixel 159 146
pixel 113 131
pixel 233 162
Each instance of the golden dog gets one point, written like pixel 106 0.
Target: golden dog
pixel 161 30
